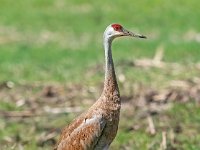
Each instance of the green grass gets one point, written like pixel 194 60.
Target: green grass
pixel 60 42
pixel 52 37
pixel 179 114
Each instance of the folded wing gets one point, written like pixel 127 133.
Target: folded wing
pixel 82 134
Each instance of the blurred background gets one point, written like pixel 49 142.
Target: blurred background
pixel 51 64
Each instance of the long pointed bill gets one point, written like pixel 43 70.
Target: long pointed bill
pixel 128 33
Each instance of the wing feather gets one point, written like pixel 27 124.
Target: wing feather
pixel 82 134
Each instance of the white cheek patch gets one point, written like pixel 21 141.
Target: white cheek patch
pixel 109 33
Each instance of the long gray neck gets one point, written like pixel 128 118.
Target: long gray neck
pixel 110 84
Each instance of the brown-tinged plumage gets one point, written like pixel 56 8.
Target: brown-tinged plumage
pixel 96 128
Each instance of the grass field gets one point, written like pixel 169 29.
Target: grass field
pixel 56 46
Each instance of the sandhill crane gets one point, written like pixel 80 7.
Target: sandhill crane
pixel 96 128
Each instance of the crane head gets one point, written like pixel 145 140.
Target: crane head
pixel 117 30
